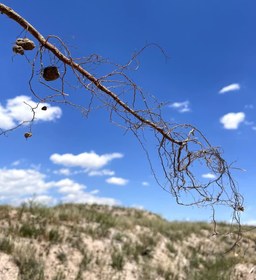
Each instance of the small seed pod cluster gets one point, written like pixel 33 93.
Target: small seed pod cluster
pixel 22 45
pixel 50 73
pixel 18 49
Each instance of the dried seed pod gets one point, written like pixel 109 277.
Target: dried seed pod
pixel 44 108
pixel 27 135
pixel 25 43
pixel 51 73
pixel 18 49
pixel 240 208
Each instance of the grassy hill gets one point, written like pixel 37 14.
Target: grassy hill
pixel 76 242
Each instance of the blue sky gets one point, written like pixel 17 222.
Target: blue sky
pixel 209 80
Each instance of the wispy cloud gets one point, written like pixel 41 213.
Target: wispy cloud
pixel 94 192
pixel 89 172
pixel 16 163
pixel 209 176
pixel 249 106
pixel 90 161
pixel 117 181
pixel 232 120
pixel 17 111
pixel 145 184
pixel 182 107
pixel 19 185
pixel 63 171
pixel 103 172
pixel 231 87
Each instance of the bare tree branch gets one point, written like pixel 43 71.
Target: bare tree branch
pixel 181 148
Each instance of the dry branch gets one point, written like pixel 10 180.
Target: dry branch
pixel 180 148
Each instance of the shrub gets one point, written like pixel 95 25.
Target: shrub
pixel 117 260
pixel 30 231
pixel 29 266
pixel 62 257
pixel 6 245
pixel 54 236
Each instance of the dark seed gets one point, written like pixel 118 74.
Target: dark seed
pixel 51 73
pixel 27 135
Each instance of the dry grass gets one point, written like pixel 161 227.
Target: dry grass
pixel 100 242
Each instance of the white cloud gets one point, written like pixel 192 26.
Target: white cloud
pixel 182 107
pixel 17 111
pixel 117 181
pixel 19 185
pixel 69 186
pixel 83 197
pixel 22 182
pixel 84 160
pixel 209 176
pixel 6 121
pixel 232 120
pixel 43 199
pixel 145 184
pixel 231 87
pixel 74 193
pixel 103 172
